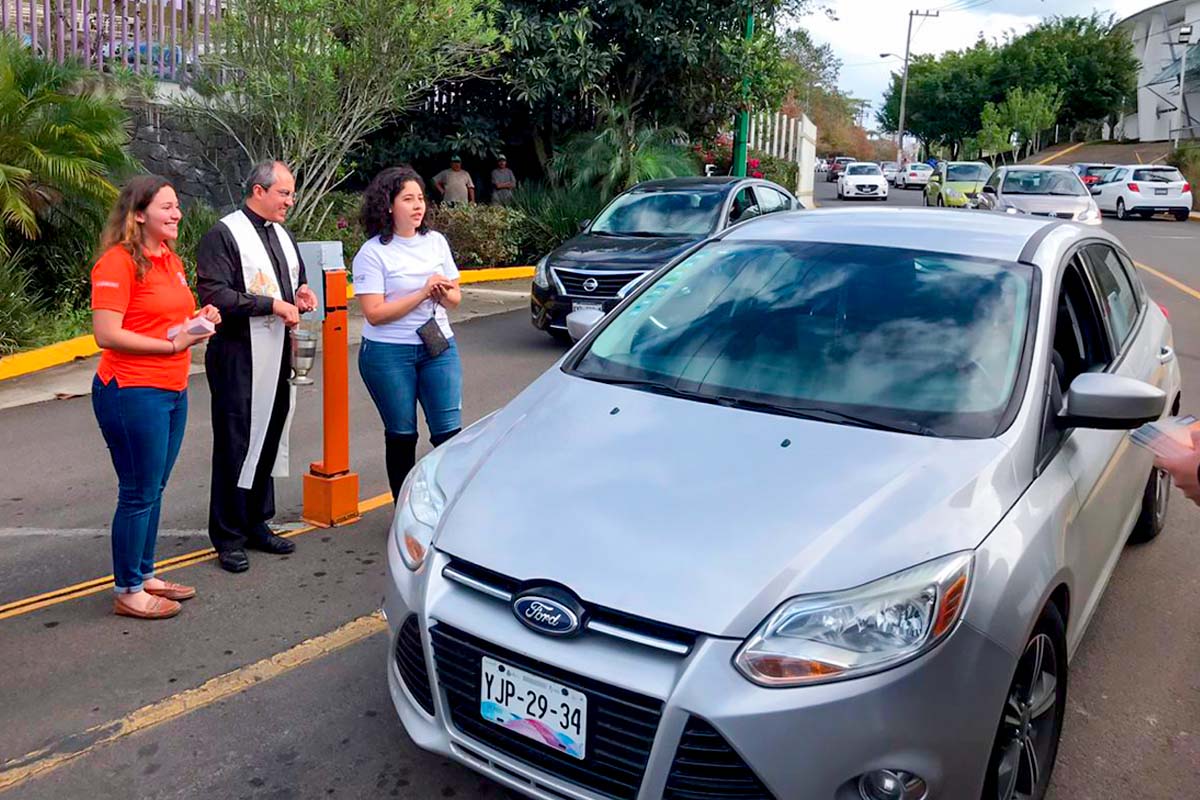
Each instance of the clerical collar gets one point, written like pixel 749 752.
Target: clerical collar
pixel 255 219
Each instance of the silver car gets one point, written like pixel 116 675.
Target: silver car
pixel 820 511
pixel 1043 191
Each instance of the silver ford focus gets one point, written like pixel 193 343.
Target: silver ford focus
pixel 821 511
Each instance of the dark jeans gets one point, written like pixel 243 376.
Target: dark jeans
pixel 143 429
pixel 398 375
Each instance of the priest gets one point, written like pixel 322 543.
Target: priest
pixel 249 267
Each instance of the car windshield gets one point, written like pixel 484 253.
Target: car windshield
pixel 900 339
pixel 862 169
pixel 920 168
pixel 1043 181
pixel 678 213
pixel 890 165
pixel 967 172
pixel 1158 175
pixel 1097 171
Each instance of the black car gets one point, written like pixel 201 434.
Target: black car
pixel 638 232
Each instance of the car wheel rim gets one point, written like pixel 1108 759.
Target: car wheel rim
pixel 1121 209
pixel 1162 496
pixel 1028 727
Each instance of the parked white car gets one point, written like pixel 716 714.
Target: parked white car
pixel 862 179
pixel 1141 190
pixel 890 170
pixel 915 174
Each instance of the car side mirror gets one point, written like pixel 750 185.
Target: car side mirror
pixel 1096 190
pixel 989 189
pixel 580 322
pixel 1102 401
pixel 583 224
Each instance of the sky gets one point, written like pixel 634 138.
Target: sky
pixel 865 28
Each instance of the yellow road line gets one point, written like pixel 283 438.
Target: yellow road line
pixel 1183 287
pixel 76 591
pixel 41 762
pixel 1061 153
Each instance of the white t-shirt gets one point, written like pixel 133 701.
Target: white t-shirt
pixel 401 267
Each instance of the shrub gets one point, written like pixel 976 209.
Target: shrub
pixel 19 311
pixel 552 215
pixel 1187 159
pixel 479 235
pixel 198 217
pixel 337 221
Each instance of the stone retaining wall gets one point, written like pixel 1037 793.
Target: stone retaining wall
pixel 203 165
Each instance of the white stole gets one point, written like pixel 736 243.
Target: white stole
pixel 267 337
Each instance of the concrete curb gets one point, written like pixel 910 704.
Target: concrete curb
pixel 38 359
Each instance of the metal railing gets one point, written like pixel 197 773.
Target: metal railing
pixel 165 39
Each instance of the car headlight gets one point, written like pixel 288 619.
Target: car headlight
pixel 826 637
pixel 954 194
pixel 418 511
pixel 541 273
pixel 1091 214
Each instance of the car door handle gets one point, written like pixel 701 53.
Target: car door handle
pixel 1166 355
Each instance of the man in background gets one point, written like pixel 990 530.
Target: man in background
pixel 455 184
pixel 503 182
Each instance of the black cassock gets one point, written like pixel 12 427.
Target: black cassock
pixel 236 514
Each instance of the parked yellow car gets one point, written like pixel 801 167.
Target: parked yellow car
pixel 957 184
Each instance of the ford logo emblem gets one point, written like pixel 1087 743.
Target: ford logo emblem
pixel 590 284
pixel 548 611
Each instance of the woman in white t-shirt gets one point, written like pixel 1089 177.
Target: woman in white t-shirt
pixel 405 279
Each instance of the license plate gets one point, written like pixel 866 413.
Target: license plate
pixel 587 307
pixel 1160 191
pixel 534 707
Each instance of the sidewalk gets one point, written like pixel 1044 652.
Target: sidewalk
pixel 75 379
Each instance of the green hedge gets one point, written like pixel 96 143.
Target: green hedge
pixel 1187 159
pixel 479 235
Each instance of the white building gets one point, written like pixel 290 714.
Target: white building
pixel 1161 111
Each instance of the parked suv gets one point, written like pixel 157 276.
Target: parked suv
pixel 638 232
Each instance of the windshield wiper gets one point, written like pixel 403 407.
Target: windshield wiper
pixel 826 415
pixel 651 386
pixel 644 234
pixel 1063 194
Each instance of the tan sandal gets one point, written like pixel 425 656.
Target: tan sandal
pixel 173 591
pixel 159 608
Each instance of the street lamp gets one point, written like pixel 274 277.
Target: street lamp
pixel 1185 39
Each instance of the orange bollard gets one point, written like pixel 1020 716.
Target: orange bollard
pixel 330 488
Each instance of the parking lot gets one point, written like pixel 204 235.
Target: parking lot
pixel 206 705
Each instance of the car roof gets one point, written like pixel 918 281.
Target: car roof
pixel 1147 166
pixel 859 163
pixel 976 233
pixel 688 182
pixel 1092 164
pixel 972 163
pixel 1035 168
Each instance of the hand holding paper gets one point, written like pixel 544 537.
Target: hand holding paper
pixel 1176 447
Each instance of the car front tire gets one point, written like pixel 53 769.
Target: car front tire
pixel 1121 212
pixel 1031 721
pixel 1155 499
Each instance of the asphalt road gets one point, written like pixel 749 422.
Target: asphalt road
pixel 325 727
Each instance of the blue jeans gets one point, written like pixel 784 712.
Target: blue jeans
pixel 143 429
pixel 399 375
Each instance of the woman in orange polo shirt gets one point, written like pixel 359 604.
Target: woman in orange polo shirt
pixel 143 316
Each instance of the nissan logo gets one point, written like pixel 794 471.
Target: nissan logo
pixel 548 611
pixel 591 285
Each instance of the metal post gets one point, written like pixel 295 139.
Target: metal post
pixel 743 129
pixel 1185 36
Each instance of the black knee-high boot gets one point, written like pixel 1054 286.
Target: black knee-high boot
pixel 442 438
pixel 400 453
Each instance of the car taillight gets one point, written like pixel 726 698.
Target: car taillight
pixel 1187 187
pixel 912 174
pixel 1133 187
pixel 1164 310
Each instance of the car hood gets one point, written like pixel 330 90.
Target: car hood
pixel 589 250
pixel 864 178
pixel 1046 204
pixel 703 516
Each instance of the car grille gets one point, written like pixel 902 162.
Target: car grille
pixel 621 724
pixel 706 766
pixel 607 283
pixel 410 660
pixel 866 187
pixel 1056 214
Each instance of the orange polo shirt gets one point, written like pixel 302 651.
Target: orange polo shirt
pixel 151 306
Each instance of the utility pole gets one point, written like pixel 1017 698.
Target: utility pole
pixel 742 138
pixel 1185 39
pixel 904 82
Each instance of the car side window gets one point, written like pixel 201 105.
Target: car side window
pixel 1080 345
pixel 994 181
pixel 1118 297
pixel 770 201
pixel 744 206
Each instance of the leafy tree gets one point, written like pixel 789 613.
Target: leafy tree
pixel 310 79
pixel 995 130
pixel 62 140
pixel 623 152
